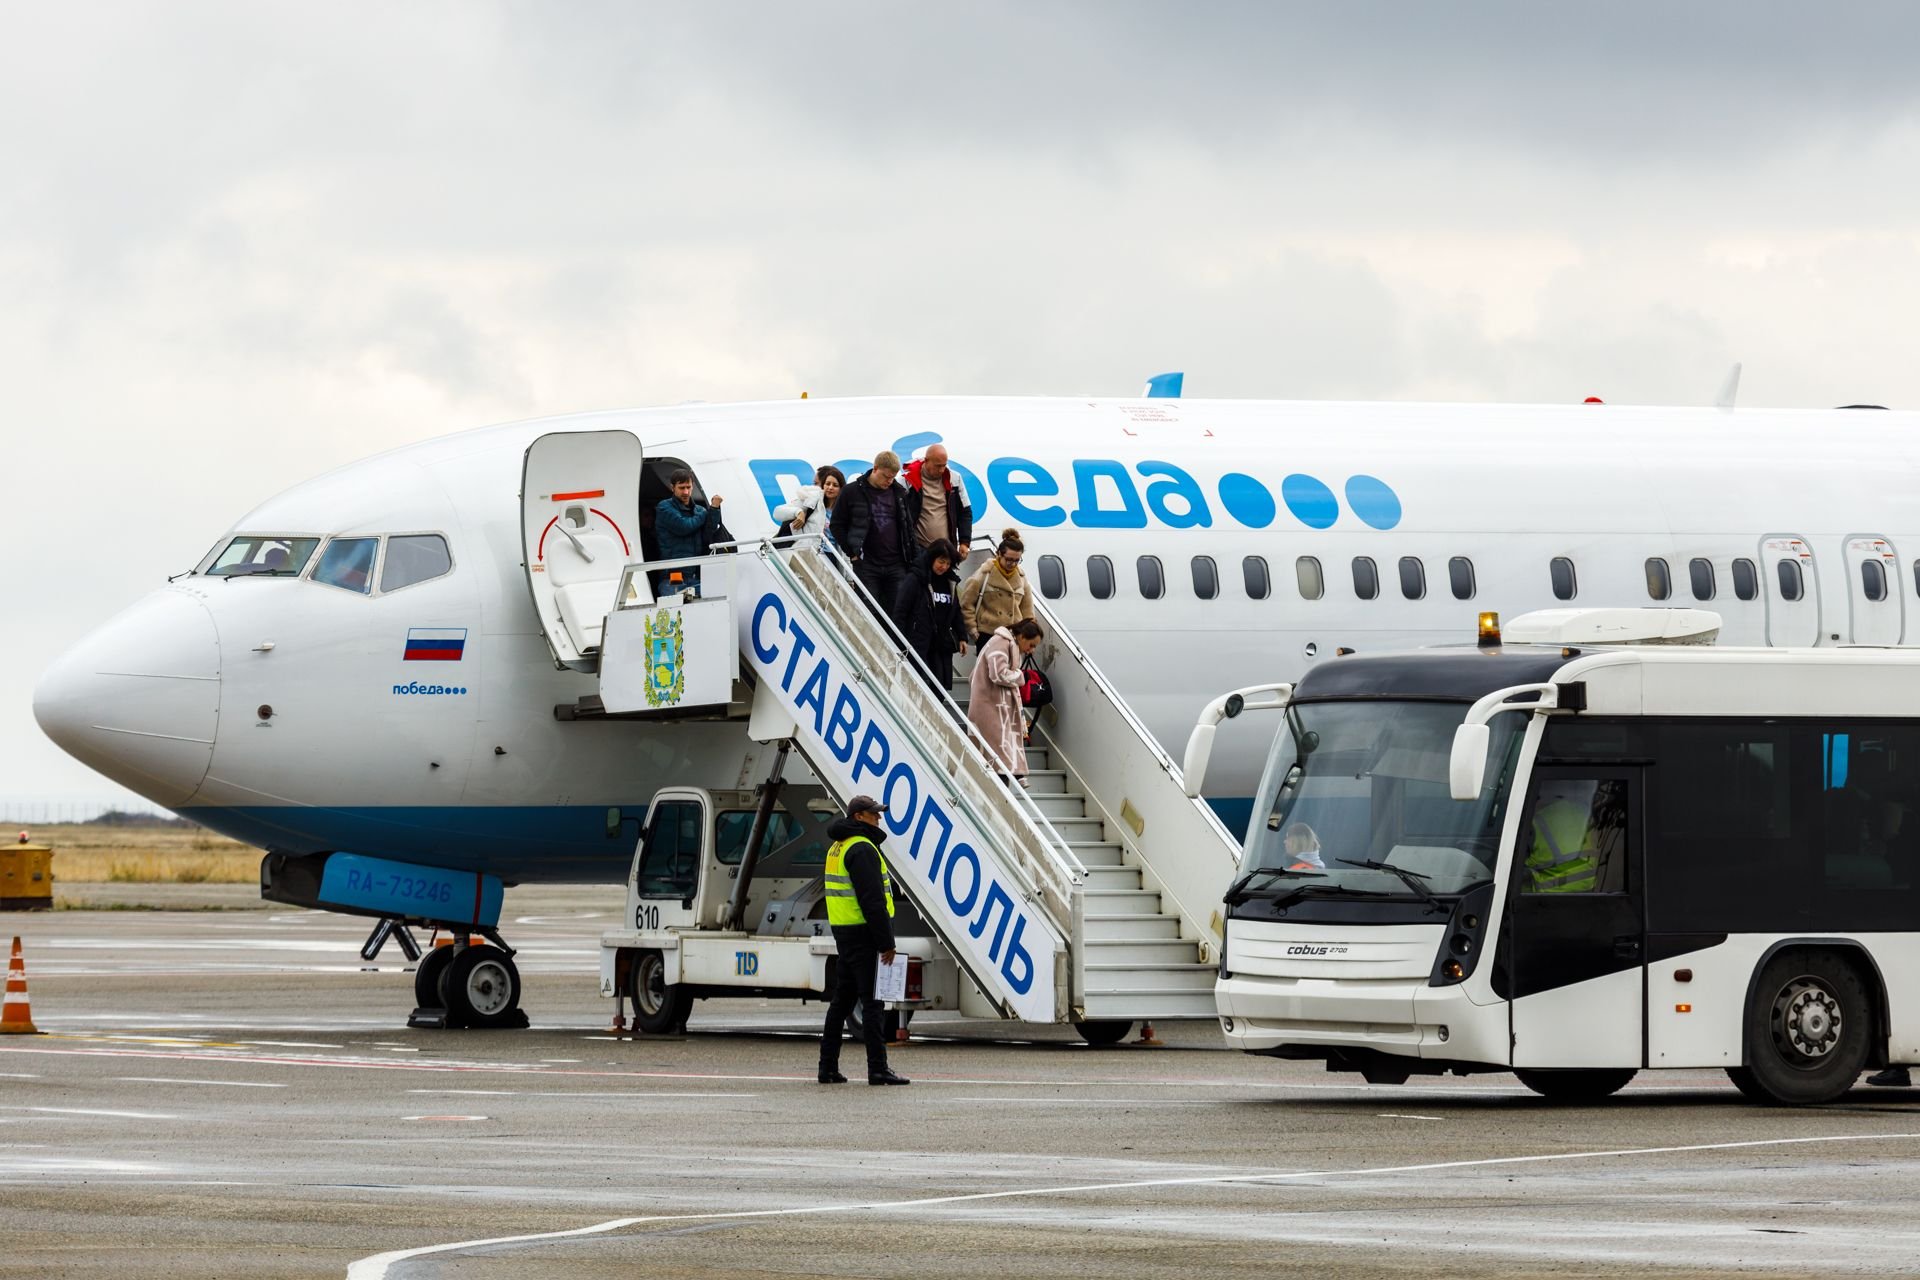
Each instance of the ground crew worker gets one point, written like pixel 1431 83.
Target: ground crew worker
pixel 1561 860
pixel 860 912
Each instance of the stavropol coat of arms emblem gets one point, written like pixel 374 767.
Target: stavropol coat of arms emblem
pixel 666 658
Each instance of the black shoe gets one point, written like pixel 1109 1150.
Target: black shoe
pixel 1892 1077
pixel 831 1077
pixel 886 1077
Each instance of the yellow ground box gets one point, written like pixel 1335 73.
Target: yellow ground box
pixel 26 877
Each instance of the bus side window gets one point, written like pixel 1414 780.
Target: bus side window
pixel 1576 837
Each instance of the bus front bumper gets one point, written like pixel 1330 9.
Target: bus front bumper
pixel 1399 1016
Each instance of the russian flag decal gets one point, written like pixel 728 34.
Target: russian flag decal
pixel 436 644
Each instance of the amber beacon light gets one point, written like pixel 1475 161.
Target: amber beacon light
pixel 1489 631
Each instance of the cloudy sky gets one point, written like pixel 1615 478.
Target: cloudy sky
pixel 242 243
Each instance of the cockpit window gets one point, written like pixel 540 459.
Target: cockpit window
pixel 257 555
pixel 348 563
pixel 414 557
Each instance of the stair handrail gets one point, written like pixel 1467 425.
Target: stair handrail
pixel 1049 872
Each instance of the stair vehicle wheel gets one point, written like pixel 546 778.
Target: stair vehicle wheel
pixel 1103 1031
pixel 660 1007
pixel 481 987
pixel 857 1024
pixel 1577 1086
pixel 426 977
pixel 1809 1029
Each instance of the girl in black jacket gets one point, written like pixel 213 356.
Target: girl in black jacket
pixel 927 611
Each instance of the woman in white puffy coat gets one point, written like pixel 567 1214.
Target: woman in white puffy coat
pixel 812 506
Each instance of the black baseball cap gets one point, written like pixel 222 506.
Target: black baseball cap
pixel 864 804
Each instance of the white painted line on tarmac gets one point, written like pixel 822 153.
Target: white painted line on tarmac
pixel 291 1044
pixel 1092 1102
pixel 379 1265
pixel 18 1075
pixel 90 1111
pixel 236 1084
pixel 1396 1115
pixel 444 1117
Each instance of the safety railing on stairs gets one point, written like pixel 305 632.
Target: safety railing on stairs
pixel 1051 875
pixel 1184 850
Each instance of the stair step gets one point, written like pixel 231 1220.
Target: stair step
pixel 1057 806
pixel 1132 927
pixel 1039 758
pixel 1099 878
pixel 1163 1005
pixel 1046 782
pixel 1117 902
pixel 1080 830
pixel 1098 855
pixel 1103 952
pixel 1150 977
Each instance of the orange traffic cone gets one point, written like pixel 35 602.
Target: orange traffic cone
pixel 16 1015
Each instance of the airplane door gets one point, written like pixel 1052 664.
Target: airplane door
pixel 1792 590
pixel 579 528
pixel 1875 607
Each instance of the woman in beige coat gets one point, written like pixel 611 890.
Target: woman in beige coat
pixel 993 702
pixel 997 595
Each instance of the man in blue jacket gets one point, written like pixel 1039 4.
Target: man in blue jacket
pixel 684 528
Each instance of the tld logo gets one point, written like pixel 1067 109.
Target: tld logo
pixel 1105 493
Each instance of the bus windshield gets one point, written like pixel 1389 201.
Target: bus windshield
pixel 1354 799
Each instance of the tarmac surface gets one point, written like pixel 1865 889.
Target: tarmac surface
pixel 234 1093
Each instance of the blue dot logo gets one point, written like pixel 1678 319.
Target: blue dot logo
pixel 1310 501
pixel 1376 504
pixel 1246 500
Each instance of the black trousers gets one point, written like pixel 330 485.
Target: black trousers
pixel 854 973
pixel 882 580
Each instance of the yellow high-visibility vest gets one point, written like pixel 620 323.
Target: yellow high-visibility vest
pixel 842 906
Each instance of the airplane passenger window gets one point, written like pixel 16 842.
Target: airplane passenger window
pixel 1873 579
pixel 1916 576
pixel 1746 579
pixel 347 563
pixel 1788 571
pixel 1313 584
pixel 1561 571
pixel 1206 577
pixel 1700 569
pixel 1659 579
pixel 1366 577
pixel 1053 577
pixel 251 555
pixel 1413 577
pixel 1100 577
pixel 1253 571
pixel 1153 582
pixel 414 557
pixel 1460 575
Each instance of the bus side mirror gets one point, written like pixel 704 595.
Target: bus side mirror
pixel 1193 770
pixel 1467 766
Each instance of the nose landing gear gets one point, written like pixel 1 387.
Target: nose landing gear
pixel 461 981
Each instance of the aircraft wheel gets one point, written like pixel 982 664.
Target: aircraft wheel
pixel 1100 1032
pixel 481 988
pixel 427 975
pixel 660 1008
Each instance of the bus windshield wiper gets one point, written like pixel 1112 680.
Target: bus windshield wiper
pixel 1238 890
pixel 1414 880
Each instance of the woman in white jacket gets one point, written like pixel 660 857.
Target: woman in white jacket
pixel 812 506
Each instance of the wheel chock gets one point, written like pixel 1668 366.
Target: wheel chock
pixel 428 1019
pixel 16 1012
pixel 1148 1039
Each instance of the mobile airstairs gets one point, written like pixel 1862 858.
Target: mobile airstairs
pixel 1092 898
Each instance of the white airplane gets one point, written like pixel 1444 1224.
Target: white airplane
pixel 360 665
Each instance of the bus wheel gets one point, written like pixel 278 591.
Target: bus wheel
pixel 660 1007
pixel 1577 1086
pixel 1809 1030
pixel 1105 1032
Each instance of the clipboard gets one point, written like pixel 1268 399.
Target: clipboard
pixel 890 980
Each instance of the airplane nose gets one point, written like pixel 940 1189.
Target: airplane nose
pixel 139 699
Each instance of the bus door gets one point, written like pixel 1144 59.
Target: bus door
pixel 1792 590
pixel 1874 599
pixel 1576 930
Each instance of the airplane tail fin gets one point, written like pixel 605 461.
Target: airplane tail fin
pixel 1164 386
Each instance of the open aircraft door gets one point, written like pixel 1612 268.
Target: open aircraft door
pixel 579 528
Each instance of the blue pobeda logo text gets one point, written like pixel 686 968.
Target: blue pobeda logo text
pixel 1108 494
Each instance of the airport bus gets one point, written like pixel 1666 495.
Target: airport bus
pixel 1576 852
